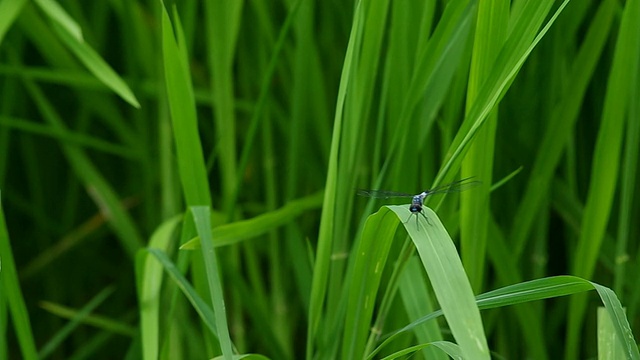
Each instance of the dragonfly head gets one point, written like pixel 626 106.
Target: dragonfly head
pixel 416 204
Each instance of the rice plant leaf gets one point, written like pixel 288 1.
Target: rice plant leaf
pixel 96 65
pixel 238 231
pixel 450 282
pixel 149 283
pixel 327 221
pixel 191 165
pixel 199 305
pixel 546 288
pixel 202 220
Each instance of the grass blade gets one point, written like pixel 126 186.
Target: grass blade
pixel 201 217
pixel 450 283
pixel 10 290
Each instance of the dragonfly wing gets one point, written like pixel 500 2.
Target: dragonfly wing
pixel 455 186
pixel 382 194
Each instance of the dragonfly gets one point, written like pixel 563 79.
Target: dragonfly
pixel 417 200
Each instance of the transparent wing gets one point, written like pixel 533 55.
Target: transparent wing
pixel 455 186
pixel 382 194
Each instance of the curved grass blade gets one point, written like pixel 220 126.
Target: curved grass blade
pixel 540 289
pixel 450 283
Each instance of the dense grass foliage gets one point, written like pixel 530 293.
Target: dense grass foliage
pixel 178 181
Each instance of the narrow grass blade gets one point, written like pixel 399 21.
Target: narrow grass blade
pixel 199 305
pixel 10 290
pixel 149 283
pixel 327 221
pixel 201 218
pixel 97 66
pixel 191 163
pixel 417 301
pixel 222 22
pixel 450 283
pixel 489 37
pixel 546 288
pixel 246 229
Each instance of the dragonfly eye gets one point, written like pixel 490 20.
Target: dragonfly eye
pixel 415 208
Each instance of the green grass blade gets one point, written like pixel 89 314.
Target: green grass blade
pixel 202 219
pixel 149 283
pixel 490 33
pixel 416 298
pixel 200 306
pixel 191 163
pixel 450 283
pixel 371 257
pixel 325 236
pixel 238 231
pixel 11 292
pixel 222 23
pixel 540 289
pixel 97 66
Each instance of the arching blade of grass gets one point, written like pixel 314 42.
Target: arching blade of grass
pixel 202 219
pixel 193 173
pixel 327 221
pixel 238 231
pixel 546 288
pixel 450 283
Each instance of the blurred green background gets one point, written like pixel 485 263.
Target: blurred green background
pixel 119 118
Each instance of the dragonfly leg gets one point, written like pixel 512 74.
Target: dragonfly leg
pixel 409 218
pixel 425 216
